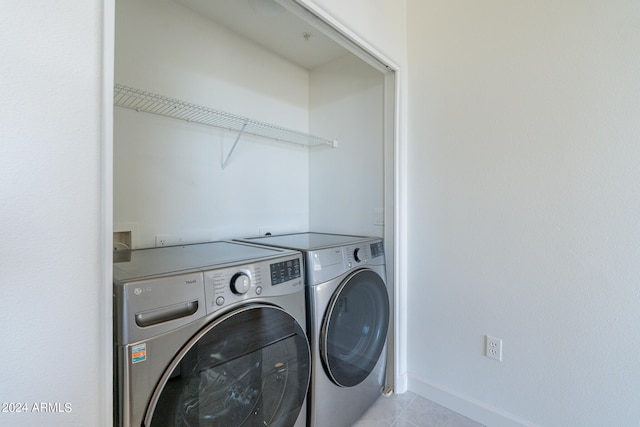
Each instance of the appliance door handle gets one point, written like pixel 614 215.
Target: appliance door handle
pixel 165 314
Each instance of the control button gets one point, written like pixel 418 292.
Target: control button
pixel 240 284
pixel 259 290
pixel 349 264
pixel 359 255
pixel 219 300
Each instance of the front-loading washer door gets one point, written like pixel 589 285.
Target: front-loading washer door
pixel 355 326
pixel 250 367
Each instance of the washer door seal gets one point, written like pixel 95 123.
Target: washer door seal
pixel 354 331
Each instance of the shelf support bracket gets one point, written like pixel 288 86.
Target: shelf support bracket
pixel 233 147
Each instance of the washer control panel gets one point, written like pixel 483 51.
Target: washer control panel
pixel 276 277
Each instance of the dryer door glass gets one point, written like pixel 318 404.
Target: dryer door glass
pixel 249 368
pixel 355 330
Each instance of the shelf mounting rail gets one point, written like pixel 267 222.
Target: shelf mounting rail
pixel 140 100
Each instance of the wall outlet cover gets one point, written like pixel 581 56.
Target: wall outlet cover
pixel 493 348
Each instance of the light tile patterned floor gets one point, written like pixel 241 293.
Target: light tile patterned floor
pixel 410 410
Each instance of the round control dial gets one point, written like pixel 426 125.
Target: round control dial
pixel 240 283
pixel 359 255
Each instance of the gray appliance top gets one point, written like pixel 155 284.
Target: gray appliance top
pixel 159 261
pixel 308 241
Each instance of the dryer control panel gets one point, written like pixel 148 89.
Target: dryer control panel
pixel 326 264
pixel 270 278
pixel 364 253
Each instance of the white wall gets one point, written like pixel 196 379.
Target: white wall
pixel 524 207
pixel 346 183
pixel 55 328
pixel 168 177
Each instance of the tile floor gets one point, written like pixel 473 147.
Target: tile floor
pixel 410 410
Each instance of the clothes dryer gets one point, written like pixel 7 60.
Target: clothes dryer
pixel 348 314
pixel 210 334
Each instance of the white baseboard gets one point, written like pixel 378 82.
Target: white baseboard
pixel 470 408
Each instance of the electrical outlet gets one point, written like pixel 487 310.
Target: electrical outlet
pixel 493 348
pixel 162 240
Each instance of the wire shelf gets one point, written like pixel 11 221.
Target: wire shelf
pixel 140 100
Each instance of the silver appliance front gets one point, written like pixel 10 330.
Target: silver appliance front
pixel 348 311
pixel 348 346
pixel 211 345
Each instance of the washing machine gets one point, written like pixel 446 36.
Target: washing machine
pixel 348 320
pixel 210 334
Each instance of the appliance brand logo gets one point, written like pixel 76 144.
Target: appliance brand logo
pixel 140 291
